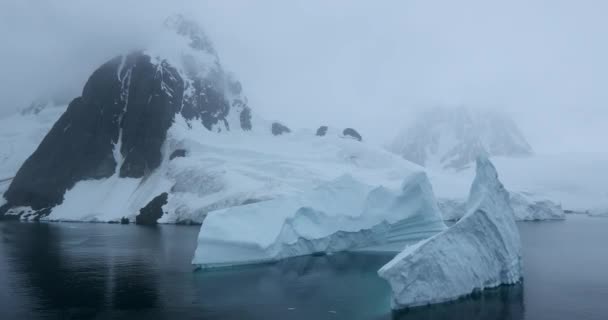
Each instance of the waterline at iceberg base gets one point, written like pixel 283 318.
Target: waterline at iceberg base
pixel 482 250
pixel 341 215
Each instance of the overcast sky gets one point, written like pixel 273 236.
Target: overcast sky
pixel 364 64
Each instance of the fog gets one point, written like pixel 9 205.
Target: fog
pixel 346 63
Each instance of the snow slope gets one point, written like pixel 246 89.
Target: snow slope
pixel 226 169
pixel 20 134
pixel 482 250
pixel 451 138
pixel 339 215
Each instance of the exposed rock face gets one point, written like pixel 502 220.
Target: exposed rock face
pixel 482 250
pixel 452 138
pixel 322 131
pixel 279 129
pixel 120 122
pixel 150 214
pixel 349 132
pixel 207 104
pixel 153 97
pixel 179 153
pixel 124 99
pixel 245 119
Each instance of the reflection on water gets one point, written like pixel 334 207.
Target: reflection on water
pixel 100 271
pixel 504 303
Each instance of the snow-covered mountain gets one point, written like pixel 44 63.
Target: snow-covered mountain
pixel 165 134
pixel 119 125
pixel 451 138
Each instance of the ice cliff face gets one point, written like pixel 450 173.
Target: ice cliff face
pixel 452 138
pixel 482 250
pixel 119 125
pixel 341 215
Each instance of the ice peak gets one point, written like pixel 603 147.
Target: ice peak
pixel 487 187
pixel 485 170
pixel 482 250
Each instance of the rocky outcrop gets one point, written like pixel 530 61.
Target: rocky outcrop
pixel 322 131
pixel 150 214
pixel 125 105
pixel 245 119
pixel 279 129
pixel 179 153
pixel 153 97
pixel 352 133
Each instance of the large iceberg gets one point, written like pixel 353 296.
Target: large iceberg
pixel 482 250
pixel 340 215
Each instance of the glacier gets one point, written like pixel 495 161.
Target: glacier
pixel 482 250
pixel 340 215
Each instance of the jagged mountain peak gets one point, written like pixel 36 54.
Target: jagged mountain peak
pixel 453 137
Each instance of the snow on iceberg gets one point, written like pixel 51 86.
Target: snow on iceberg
pixel 452 209
pixel 528 207
pixel 482 250
pixel 340 215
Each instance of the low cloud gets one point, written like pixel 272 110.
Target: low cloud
pixel 346 63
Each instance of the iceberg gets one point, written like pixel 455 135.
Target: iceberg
pixel 452 209
pixel 482 250
pixel 340 215
pixel 528 207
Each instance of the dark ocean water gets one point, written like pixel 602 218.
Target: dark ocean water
pixel 101 271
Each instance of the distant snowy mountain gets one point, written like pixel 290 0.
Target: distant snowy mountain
pixel 451 138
